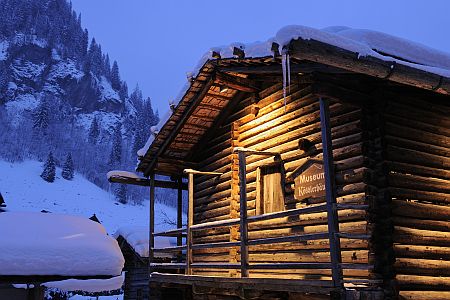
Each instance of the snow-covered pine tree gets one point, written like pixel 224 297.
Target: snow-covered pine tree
pixel 67 172
pixel 48 174
pixel 115 77
pixel 121 194
pixel 94 131
pixel 41 116
pixel 116 151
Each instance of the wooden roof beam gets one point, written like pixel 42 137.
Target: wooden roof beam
pixel 236 83
pixel 210 106
pixel 220 97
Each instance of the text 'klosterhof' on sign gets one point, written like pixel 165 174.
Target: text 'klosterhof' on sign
pixel 310 183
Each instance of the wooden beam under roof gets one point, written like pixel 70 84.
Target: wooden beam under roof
pixel 236 82
pixel 302 67
pixel 146 182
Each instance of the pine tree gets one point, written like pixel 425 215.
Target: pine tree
pixel 115 77
pixel 94 131
pixel 123 93
pixel 121 194
pixel 67 172
pixel 48 174
pixel 116 152
pixel 41 116
pixel 107 67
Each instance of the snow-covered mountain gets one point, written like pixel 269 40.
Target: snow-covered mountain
pixel 60 93
pixel 32 68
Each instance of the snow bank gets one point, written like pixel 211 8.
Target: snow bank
pixel 138 238
pixel 53 244
pixel 89 285
pixel 362 41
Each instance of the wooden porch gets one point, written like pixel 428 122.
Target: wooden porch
pixel 242 275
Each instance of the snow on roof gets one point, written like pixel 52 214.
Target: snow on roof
pixel 88 285
pixel 138 238
pixel 362 41
pixel 54 244
pixel 125 174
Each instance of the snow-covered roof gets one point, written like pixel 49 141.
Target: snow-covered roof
pixel 366 43
pixel 54 244
pixel 87 285
pixel 138 238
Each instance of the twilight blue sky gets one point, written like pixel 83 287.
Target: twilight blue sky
pixel 157 42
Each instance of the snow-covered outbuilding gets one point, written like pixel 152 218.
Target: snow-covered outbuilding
pixel 317 166
pixel 55 250
pixel 134 243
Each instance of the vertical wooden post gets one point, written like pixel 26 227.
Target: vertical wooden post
pixel 330 189
pixel 180 209
pixel 151 221
pixel 243 230
pixel 180 214
pixel 234 199
pixel 190 221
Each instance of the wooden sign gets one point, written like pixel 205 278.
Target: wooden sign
pixel 309 181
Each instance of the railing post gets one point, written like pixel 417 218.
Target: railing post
pixel 330 189
pixel 243 230
pixel 151 222
pixel 180 213
pixel 190 221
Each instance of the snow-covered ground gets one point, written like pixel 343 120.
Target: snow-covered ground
pixel 24 190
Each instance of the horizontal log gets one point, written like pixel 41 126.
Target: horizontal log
pixel 421 183
pixel 417 266
pixel 425 282
pixel 412 236
pixel 420 210
pixel 422 224
pixel 424 295
pixel 408 133
pixel 399 154
pixel 412 194
pixel 415 251
pixel 417 170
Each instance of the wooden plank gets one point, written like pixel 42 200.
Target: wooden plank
pixel 291 238
pixel 172 232
pixel 243 228
pixel 215 245
pixel 287 213
pixel 330 189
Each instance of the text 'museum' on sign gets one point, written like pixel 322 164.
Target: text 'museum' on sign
pixel 310 183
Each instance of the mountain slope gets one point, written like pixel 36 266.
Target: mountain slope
pixel 24 190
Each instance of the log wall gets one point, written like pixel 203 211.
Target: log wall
pixel 270 125
pixel 417 152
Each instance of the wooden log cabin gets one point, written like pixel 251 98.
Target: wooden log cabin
pixel 338 189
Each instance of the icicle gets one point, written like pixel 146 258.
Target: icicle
pixel 288 64
pixel 283 66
